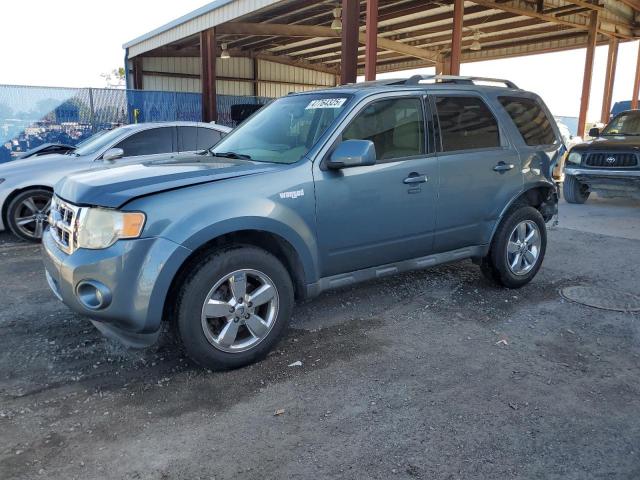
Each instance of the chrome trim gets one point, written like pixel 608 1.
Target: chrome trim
pixel 602 173
pixel 63 224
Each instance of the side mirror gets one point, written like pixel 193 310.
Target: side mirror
pixel 594 132
pixel 113 154
pixel 353 153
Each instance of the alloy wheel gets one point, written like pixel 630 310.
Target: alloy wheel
pixel 523 248
pixel 240 310
pixel 31 215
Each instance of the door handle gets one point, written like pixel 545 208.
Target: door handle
pixel 415 178
pixel 503 167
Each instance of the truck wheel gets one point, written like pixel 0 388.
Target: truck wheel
pixel 27 213
pixel 234 307
pixel 574 191
pixel 517 249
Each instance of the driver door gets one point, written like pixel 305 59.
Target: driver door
pixel 383 213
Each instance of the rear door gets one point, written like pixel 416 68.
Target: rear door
pixel 480 170
pixel 383 213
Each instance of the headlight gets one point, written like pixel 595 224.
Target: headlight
pixel 101 228
pixel 574 158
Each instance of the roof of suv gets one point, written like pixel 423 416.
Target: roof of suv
pixel 425 82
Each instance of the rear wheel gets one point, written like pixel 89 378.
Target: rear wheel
pixel 27 213
pixel 517 249
pixel 234 307
pixel 574 191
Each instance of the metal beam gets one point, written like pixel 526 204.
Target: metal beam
pixel 456 37
pixel 588 72
pixel 137 73
pixel 208 50
pixel 636 83
pixel 350 29
pixel 371 44
pixel 612 59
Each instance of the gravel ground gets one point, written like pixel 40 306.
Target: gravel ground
pixel 433 374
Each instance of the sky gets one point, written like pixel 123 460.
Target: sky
pixel 69 43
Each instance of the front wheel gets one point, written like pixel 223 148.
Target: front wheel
pixel 517 249
pixel 27 213
pixel 234 307
pixel 574 191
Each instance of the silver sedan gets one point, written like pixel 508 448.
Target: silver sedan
pixel 26 184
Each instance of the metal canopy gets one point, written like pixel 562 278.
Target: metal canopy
pixel 411 33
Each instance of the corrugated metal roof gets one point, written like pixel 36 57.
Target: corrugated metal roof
pixel 209 7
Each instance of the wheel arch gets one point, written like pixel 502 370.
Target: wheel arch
pixel 275 244
pixel 542 196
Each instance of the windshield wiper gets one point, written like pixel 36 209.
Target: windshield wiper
pixel 235 155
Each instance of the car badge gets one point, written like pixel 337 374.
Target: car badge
pixel 611 160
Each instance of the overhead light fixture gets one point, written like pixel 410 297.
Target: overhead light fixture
pixel 225 52
pixel 336 24
pixel 476 46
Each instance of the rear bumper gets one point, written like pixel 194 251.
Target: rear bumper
pixel 133 277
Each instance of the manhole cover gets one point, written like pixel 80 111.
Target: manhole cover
pixel 603 298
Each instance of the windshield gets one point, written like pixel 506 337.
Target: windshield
pixel 627 123
pixel 285 130
pixel 99 140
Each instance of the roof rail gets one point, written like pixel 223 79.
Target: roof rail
pixel 416 79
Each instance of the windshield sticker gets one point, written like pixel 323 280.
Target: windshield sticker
pixel 326 103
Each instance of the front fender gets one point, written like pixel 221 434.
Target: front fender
pixel 194 216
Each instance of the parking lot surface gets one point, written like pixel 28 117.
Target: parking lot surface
pixel 432 374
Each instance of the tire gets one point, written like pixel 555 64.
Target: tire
pixel 31 206
pixel 574 191
pixel 201 331
pixel 498 267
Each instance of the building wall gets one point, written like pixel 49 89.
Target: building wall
pixel 235 76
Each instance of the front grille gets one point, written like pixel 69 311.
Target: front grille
pixel 63 221
pixel 611 160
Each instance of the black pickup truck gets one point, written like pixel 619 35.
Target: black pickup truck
pixel 609 164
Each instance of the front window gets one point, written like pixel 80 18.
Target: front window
pixel 285 130
pixel 99 141
pixel 627 123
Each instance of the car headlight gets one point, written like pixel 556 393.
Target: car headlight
pixel 101 228
pixel 575 158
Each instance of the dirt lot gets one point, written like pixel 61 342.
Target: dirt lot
pixel 434 374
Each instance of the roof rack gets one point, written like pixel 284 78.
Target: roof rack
pixel 416 79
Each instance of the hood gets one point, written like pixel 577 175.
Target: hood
pixel 113 187
pixel 610 144
pixel 32 164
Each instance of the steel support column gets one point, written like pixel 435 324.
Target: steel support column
pixel 636 83
pixel 208 49
pixel 350 31
pixel 612 59
pixel 456 37
pixel 588 73
pixel 371 47
pixel 137 73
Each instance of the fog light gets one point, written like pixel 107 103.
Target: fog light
pixel 93 294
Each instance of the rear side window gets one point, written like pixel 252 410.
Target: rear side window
pixel 148 142
pixel 466 123
pixel 187 139
pixel 533 124
pixel 207 138
pixel 396 128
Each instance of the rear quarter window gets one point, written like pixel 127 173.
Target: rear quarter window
pixel 532 122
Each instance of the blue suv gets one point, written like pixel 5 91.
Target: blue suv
pixel 315 191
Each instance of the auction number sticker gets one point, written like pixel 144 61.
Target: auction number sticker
pixel 326 103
